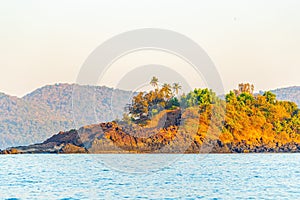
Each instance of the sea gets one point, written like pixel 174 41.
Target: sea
pixel 150 176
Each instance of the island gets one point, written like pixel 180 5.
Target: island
pixel 162 121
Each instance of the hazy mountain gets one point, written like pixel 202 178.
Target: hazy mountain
pixel 289 94
pixel 54 108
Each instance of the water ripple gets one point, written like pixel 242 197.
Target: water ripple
pixel 250 176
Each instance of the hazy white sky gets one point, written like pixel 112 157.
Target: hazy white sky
pixel 45 42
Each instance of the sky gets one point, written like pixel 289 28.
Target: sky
pixel 47 42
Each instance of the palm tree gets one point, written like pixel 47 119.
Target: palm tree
pixel 167 90
pixel 154 81
pixel 176 88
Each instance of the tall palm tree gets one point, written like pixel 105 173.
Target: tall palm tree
pixel 176 88
pixel 167 90
pixel 154 81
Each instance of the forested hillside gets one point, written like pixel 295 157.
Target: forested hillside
pixel 50 109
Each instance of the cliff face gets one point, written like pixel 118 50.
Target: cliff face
pixel 172 136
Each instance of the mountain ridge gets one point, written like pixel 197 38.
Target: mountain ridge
pixel 48 109
pixel 288 93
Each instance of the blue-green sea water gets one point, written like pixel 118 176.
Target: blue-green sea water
pixel 222 176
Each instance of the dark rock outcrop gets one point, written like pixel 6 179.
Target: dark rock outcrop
pixel 112 137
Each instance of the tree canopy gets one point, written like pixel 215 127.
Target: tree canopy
pixel 248 118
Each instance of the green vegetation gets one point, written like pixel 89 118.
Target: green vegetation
pixel 146 105
pixel 242 118
pixel 261 119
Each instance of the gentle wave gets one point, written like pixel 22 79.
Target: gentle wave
pixel 232 176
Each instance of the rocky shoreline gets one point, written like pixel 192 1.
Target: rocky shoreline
pixel 111 138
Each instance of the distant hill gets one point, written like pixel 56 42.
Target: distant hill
pixel 288 94
pixel 52 108
pixel 285 94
